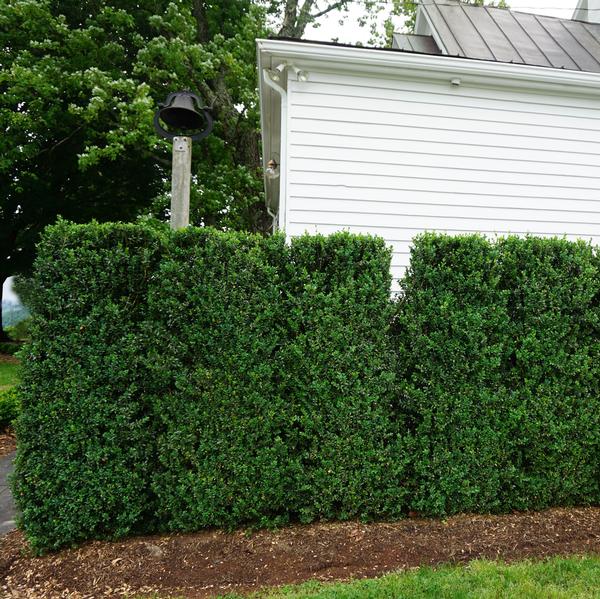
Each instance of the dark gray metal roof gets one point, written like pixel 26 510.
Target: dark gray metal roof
pixel 505 36
pixel 415 43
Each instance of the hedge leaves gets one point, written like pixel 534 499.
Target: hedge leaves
pixel 183 380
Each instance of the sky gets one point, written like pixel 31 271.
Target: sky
pixel 351 33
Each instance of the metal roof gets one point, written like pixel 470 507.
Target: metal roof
pixel 502 35
pixel 415 43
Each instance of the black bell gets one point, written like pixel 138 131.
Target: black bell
pixel 182 112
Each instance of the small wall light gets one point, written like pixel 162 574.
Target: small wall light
pixel 272 170
pixel 456 82
pixel 300 74
pixel 275 73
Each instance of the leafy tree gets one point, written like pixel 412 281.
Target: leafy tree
pixel 79 84
pixel 45 68
pixel 294 16
pixel 291 18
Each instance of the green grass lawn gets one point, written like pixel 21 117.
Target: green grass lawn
pixel 9 374
pixel 557 578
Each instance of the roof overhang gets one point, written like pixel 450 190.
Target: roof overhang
pixel 397 64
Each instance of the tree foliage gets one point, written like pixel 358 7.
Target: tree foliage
pixel 79 84
pixel 293 17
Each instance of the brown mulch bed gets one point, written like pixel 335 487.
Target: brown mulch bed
pixel 8 442
pixel 8 359
pixel 212 562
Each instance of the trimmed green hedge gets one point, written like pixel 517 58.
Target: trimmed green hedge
pixel 190 379
pixel 499 355
pixel 183 380
pixel 86 438
pixel 274 382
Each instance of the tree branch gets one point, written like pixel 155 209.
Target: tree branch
pixel 62 141
pixel 304 16
pixel 288 26
pixel 160 159
pixel 295 19
pixel 200 16
pixel 334 6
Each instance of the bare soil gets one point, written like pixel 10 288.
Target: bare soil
pixel 8 359
pixel 8 442
pixel 213 562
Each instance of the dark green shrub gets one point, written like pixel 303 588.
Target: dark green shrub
pixel 452 327
pixel 498 368
pixel 10 407
pixel 223 448
pixel 553 370
pixel 275 382
pixel 337 373
pixel 9 348
pixel 183 380
pixel 191 379
pixel 86 448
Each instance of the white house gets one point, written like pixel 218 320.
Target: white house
pixel 486 121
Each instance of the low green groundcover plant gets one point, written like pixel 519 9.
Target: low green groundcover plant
pixel 556 578
pixel 180 380
pixel 9 348
pixel 10 406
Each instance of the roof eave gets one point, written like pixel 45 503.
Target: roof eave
pixel 400 63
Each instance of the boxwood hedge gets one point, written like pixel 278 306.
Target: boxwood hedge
pixel 86 441
pixel 180 380
pixel 498 351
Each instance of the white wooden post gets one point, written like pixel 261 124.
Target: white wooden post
pixel 180 182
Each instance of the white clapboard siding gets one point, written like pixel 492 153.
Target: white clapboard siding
pixel 395 157
pixel 426 92
pixel 442 198
pixel 446 133
pixel 442 182
pixel 383 172
pixel 387 221
pixel 437 105
pixel 569 165
pixel 418 147
pixel 443 122
pixel 312 207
